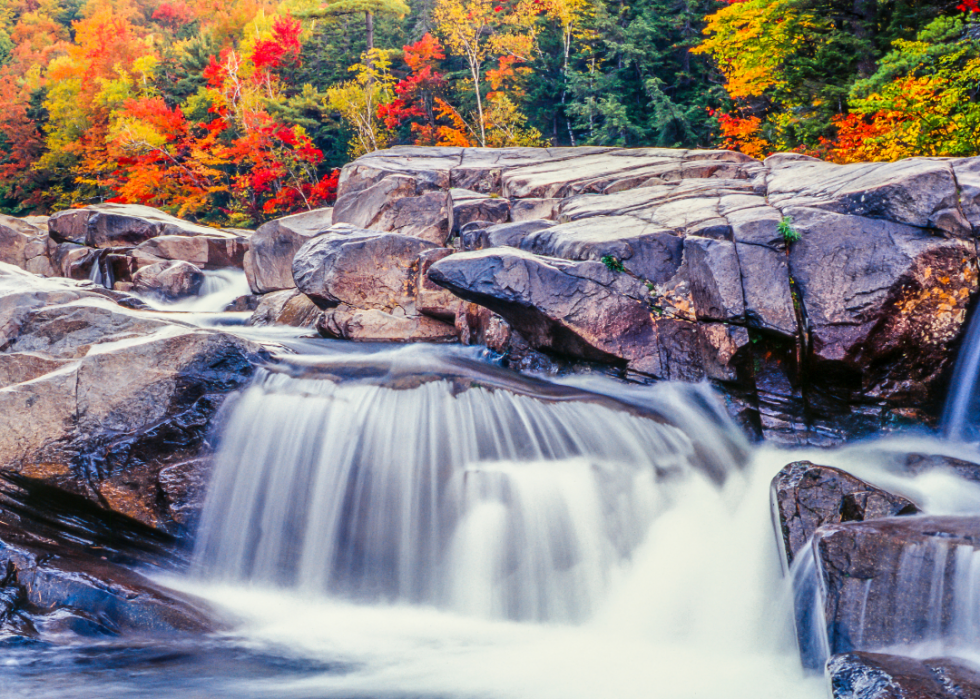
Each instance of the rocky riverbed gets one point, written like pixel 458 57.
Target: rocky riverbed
pixel 822 302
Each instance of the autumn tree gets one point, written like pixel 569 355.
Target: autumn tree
pixel 924 100
pixel 369 8
pixel 483 31
pixel 359 99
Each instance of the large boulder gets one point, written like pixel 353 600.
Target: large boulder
pixel 902 580
pixel 15 238
pixel 360 268
pixel 401 204
pixel 269 260
pixel 571 308
pixel 368 284
pixel 806 496
pixel 114 225
pixel 883 301
pixel 99 399
pixel 214 250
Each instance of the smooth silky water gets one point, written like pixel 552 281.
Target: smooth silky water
pixel 417 522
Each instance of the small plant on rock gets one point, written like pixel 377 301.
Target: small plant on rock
pixel 790 234
pixel 613 264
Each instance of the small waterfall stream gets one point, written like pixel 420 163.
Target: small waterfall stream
pixel 959 422
pixel 220 288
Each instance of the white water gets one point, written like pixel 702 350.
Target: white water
pixel 456 538
pixel 696 611
pixel 220 288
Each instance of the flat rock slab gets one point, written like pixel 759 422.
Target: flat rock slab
pixel 920 192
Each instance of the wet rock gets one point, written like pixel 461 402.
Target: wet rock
pixel 362 269
pixel 269 260
pixel 113 225
pixel 570 308
pixel 98 398
pixel 920 463
pixel 894 581
pixel 242 304
pixel 286 307
pixel 65 570
pixel 171 280
pixel 883 301
pixel 73 261
pixel 806 496
pixel 49 592
pixel 183 488
pixel 878 676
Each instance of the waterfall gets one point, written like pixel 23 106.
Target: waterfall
pixel 220 288
pixel 961 410
pixel 448 485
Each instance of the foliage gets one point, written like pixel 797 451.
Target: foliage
pixel 786 230
pixel 613 264
pixel 232 111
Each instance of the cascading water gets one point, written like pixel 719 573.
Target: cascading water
pixel 959 422
pixel 466 496
pixel 919 595
pixel 220 288
pixel 439 527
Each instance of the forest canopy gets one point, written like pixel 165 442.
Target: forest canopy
pixel 234 111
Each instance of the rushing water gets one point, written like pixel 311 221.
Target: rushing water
pixel 962 409
pixel 219 289
pixel 416 522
